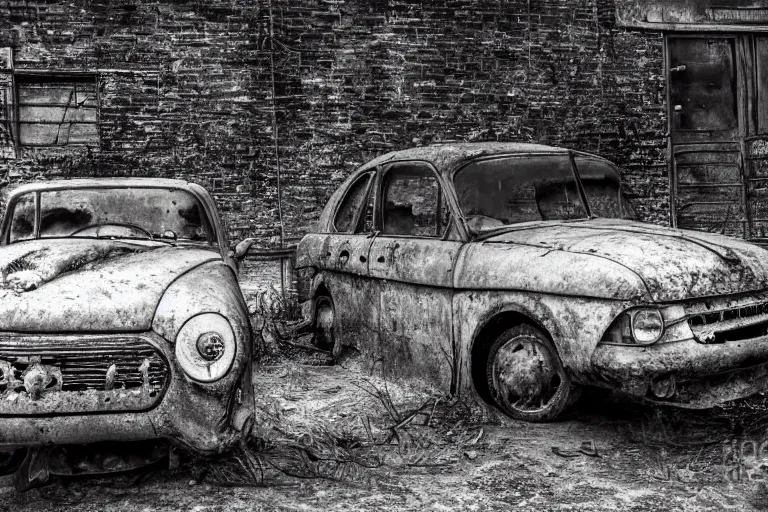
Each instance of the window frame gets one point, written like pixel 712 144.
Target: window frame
pixel 691 134
pixel 21 77
pixel 212 241
pixel 569 155
pixel 370 174
pixel 442 198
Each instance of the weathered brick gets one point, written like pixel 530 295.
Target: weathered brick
pixel 187 90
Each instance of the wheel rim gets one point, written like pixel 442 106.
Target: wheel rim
pixel 526 376
pixel 325 318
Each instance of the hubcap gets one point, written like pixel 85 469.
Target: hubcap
pixel 525 376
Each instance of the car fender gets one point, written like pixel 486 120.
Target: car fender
pixel 210 288
pixel 575 324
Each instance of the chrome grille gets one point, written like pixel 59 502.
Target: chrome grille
pixel 744 312
pixel 74 374
pixel 730 324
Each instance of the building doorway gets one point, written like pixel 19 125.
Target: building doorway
pixel 718 120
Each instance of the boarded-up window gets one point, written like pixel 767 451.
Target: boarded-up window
pixel 57 110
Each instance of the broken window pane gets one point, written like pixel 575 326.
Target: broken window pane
pixel 702 84
pixel 57 112
pixel 23 219
pixel 350 206
pixel 133 213
pixel 366 219
pixel 413 204
pixel 493 193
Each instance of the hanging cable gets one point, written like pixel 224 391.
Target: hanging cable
pixel 274 125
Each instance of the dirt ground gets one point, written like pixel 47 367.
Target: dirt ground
pixel 332 438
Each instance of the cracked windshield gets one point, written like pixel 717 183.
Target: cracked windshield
pixel 498 192
pixel 140 213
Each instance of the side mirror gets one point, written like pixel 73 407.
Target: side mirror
pixel 242 248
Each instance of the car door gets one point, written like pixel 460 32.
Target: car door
pixel 343 259
pixel 412 259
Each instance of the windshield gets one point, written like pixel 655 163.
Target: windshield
pixel 602 187
pixel 134 213
pixel 511 190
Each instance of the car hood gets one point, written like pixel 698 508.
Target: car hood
pixel 673 264
pixel 88 285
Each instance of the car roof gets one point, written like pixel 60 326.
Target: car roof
pixel 447 156
pixel 101 182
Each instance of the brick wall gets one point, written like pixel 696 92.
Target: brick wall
pixel 186 90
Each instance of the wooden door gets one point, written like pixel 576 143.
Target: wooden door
pixel 707 132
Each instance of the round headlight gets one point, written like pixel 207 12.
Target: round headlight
pixel 210 346
pixel 205 347
pixel 647 325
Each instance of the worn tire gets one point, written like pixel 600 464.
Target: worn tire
pixel 326 337
pixel 525 376
pixel 11 460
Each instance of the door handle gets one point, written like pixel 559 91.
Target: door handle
pixel 380 259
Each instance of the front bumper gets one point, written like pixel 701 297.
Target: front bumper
pixel 685 373
pixel 204 418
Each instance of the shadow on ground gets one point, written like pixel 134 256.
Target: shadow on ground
pixel 336 438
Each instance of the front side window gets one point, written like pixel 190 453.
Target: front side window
pixel 412 202
pixel 130 213
pixel 510 190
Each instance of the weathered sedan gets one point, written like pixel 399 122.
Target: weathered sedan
pixel 507 270
pixel 121 319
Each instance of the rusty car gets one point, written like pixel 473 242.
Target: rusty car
pixel 123 330
pixel 512 272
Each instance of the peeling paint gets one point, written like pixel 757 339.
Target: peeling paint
pixel 430 308
pixel 87 333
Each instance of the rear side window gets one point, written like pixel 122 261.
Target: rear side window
pixel 349 209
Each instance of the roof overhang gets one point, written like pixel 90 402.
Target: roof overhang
pixel 694 15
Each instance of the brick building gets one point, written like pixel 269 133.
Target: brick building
pixel 234 93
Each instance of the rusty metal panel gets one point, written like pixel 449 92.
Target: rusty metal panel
pixel 416 334
pixel 575 325
pixel 357 308
pixel 424 261
pixel 345 253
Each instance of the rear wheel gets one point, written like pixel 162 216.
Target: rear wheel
pixel 525 376
pixel 325 326
pixel 11 460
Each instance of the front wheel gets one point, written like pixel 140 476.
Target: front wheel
pixel 525 376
